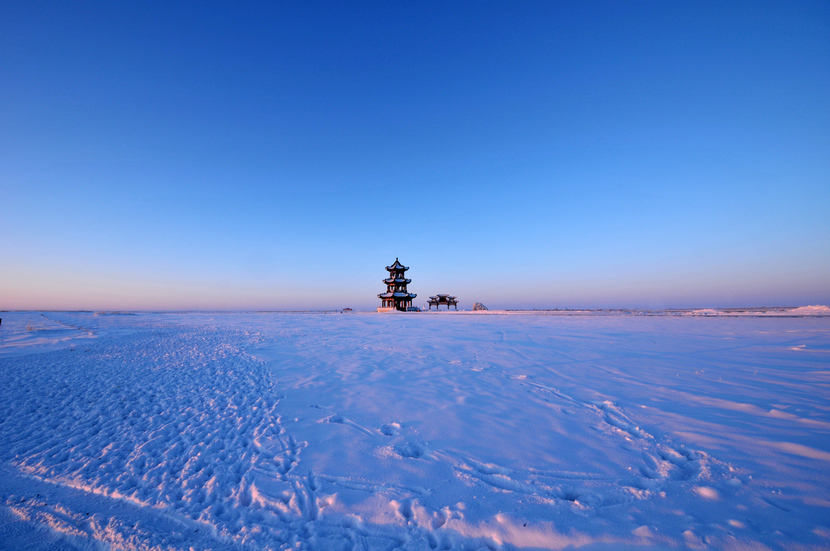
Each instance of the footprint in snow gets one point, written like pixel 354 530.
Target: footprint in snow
pixel 337 418
pixel 390 429
pixel 411 450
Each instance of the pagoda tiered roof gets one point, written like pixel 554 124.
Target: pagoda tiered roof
pixel 397 267
pixel 392 280
pixel 397 294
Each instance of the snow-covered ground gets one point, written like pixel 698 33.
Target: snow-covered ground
pixel 372 431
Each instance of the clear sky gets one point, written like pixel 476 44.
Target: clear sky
pixel 277 155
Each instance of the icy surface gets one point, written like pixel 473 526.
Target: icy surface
pixel 252 431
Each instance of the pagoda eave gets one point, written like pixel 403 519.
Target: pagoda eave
pixel 397 267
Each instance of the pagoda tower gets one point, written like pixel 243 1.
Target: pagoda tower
pixel 396 296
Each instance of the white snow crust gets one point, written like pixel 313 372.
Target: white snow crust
pixel 816 310
pixel 329 431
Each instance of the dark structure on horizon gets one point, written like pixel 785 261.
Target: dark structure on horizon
pixel 443 299
pixel 396 296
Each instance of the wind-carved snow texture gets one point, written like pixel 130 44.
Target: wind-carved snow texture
pixel 279 431
pixel 179 418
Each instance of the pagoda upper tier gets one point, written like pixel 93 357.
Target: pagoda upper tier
pixel 397 267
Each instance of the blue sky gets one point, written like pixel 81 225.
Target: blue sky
pixel 537 154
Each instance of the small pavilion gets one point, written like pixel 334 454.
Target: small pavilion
pixel 396 296
pixel 443 299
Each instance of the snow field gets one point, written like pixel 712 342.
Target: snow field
pixel 286 431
